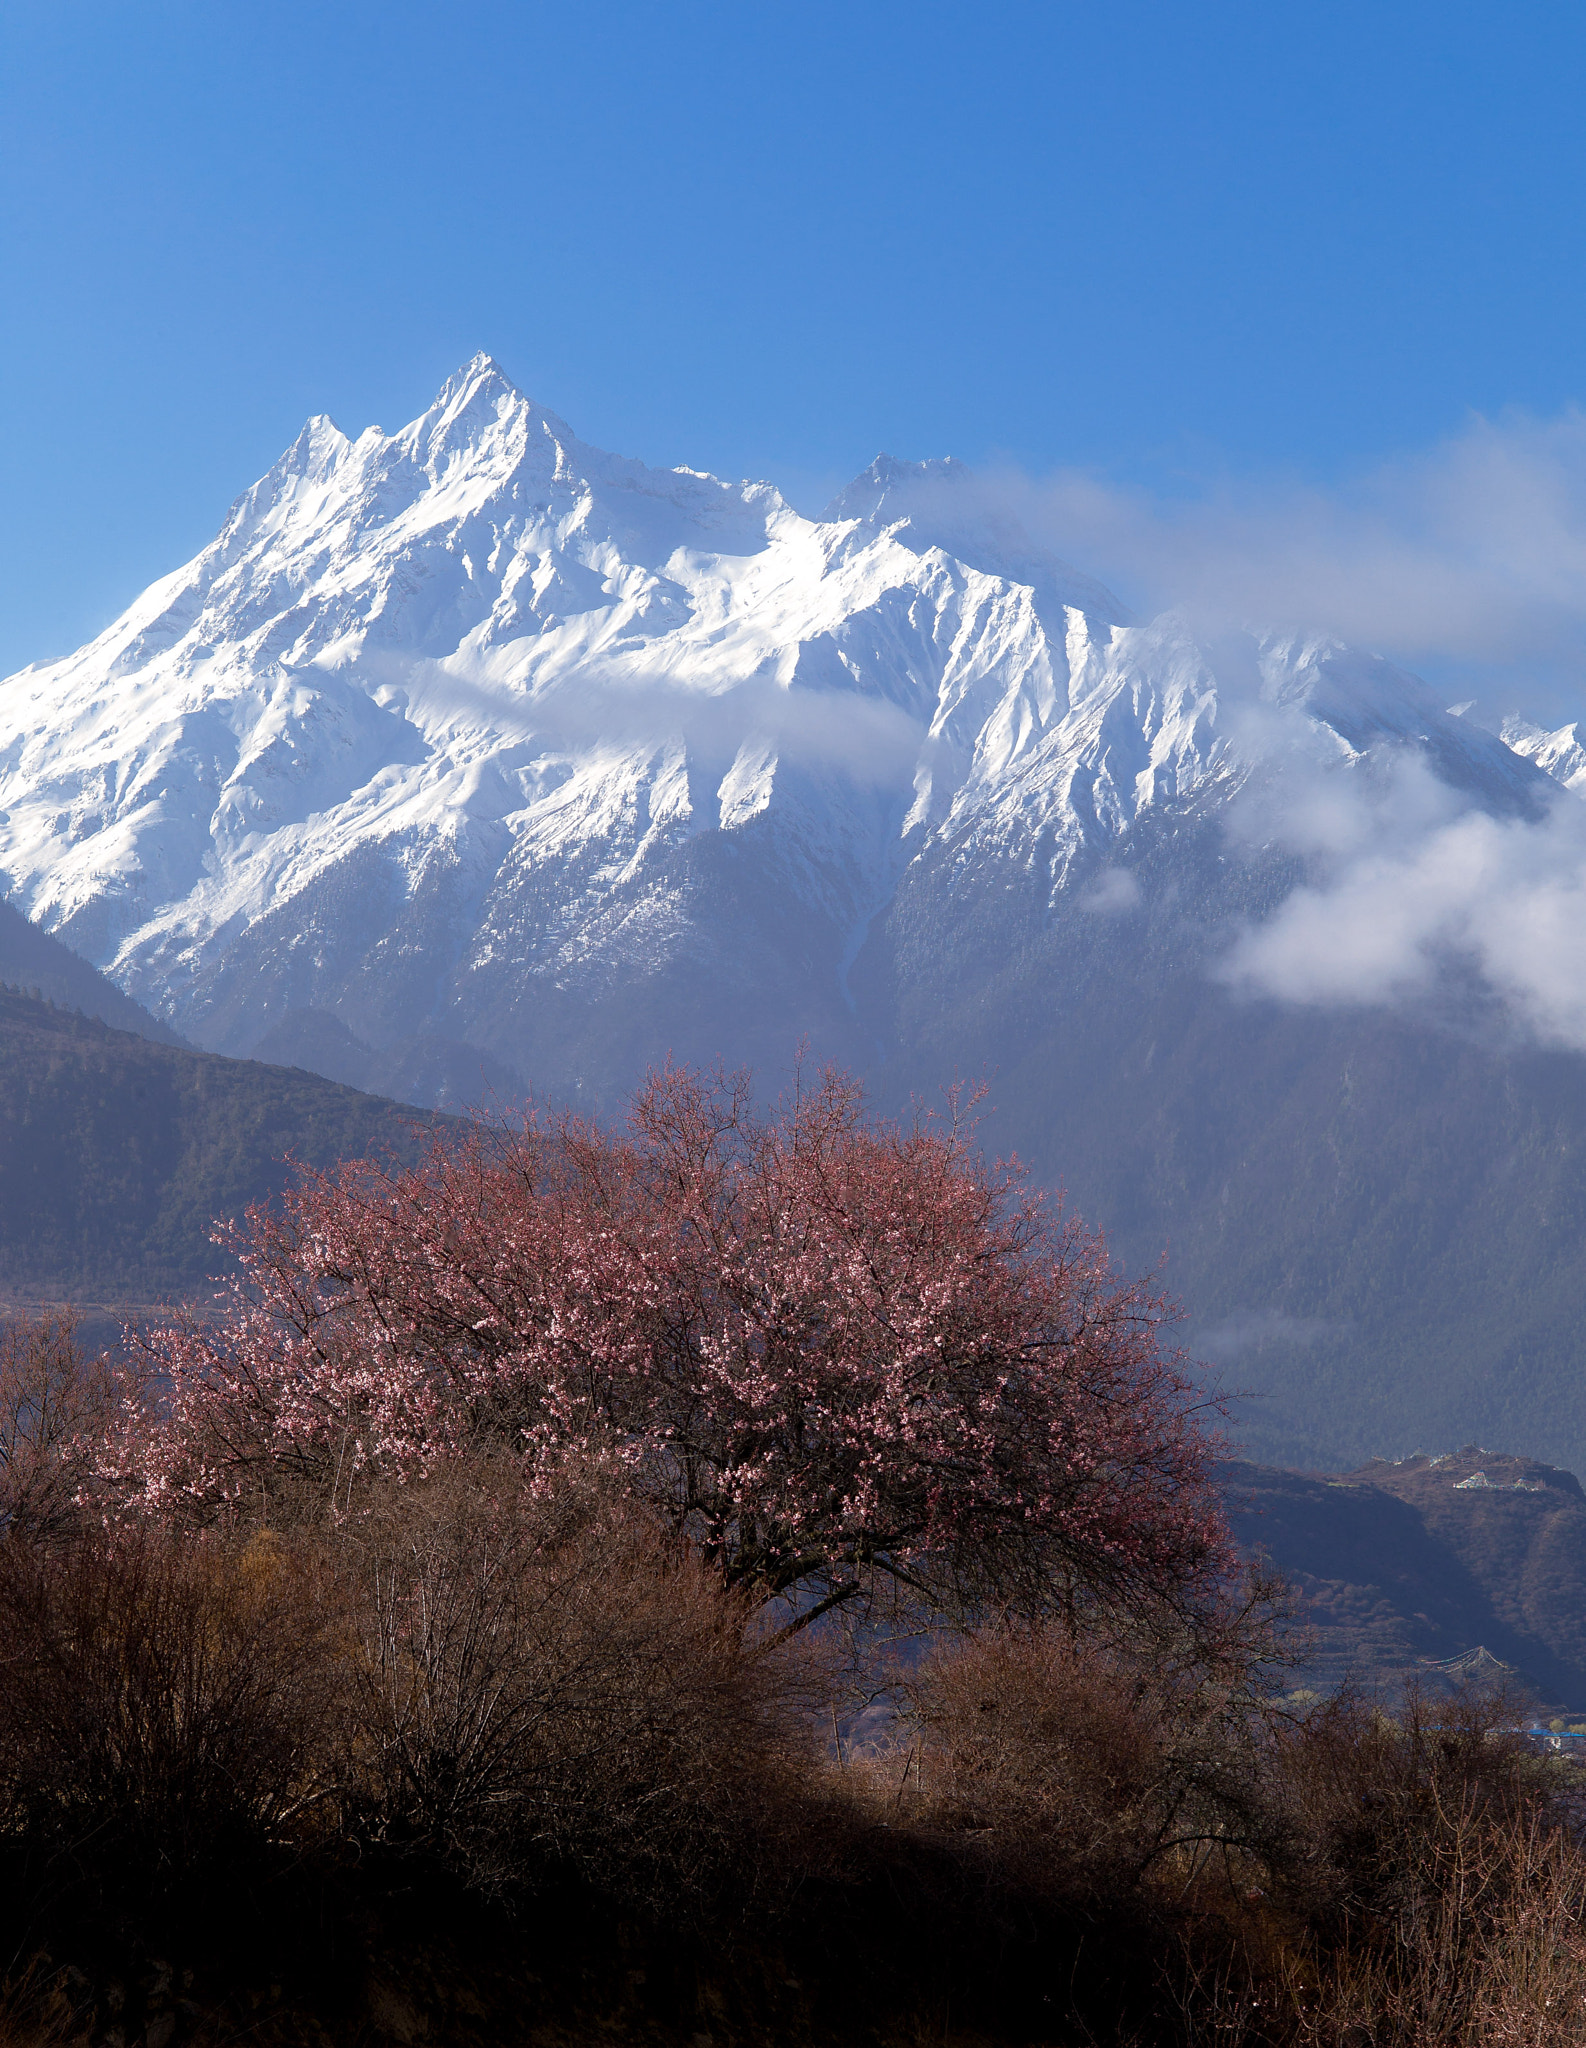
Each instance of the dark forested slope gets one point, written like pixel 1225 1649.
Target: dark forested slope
pixel 116 1153
pixel 30 959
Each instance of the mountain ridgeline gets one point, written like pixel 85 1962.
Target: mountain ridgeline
pixel 470 759
pixel 33 962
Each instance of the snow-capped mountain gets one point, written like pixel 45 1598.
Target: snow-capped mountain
pixel 1560 753
pixel 475 731
pixel 471 757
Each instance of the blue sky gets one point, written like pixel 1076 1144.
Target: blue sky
pixel 1184 247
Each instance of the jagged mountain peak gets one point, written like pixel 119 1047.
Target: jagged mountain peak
pixel 455 723
pixel 942 503
pixel 478 387
pixel 479 408
pixel 479 421
pixel 321 442
pixel 887 481
pixel 480 370
pixel 1561 753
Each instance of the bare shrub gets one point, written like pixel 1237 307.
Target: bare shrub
pixel 556 1681
pixel 1530 1974
pixel 1373 1799
pixel 164 1703
pixel 1430 1892
pixel 1087 1766
pixel 1488 1952
pixel 38 2009
pixel 1348 1878
pixel 55 1402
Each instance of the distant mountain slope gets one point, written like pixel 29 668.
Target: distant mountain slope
pixel 1377 1222
pixel 116 1154
pixel 31 960
pixel 1402 1567
pixel 427 1068
pixel 471 758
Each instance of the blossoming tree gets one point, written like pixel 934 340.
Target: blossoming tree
pixel 834 1352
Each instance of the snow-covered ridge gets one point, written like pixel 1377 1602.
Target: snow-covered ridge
pixel 1560 754
pixel 431 726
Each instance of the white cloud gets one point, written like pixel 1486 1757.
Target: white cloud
pixel 1468 557
pixel 1405 883
pixel 1253 1329
pixel 868 739
pixel 1113 893
pixel 1466 562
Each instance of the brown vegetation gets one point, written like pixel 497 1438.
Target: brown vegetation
pixel 54 1399
pixel 493 1759
pixel 550 1682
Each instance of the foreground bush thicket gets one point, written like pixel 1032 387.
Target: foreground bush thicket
pixel 1340 1878
pixel 553 1683
pixel 479 1577
pixel 56 1405
pixel 503 1688
pixel 474 1696
pixel 463 1694
pixel 167 1709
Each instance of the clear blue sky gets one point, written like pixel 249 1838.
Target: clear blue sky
pixel 1163 240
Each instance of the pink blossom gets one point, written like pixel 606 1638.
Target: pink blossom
pixel 825 1347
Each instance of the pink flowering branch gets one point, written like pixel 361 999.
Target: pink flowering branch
pixel 828 1349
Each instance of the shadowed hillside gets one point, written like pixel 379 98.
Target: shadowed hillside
pixel 1404 1566
pixel 30 959
pixel 116 1154
pixel 425 1068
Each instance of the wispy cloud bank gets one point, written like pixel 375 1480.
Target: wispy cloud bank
pixel 1469 556
pixel 871 740
pixel 1114 893
pixel 1408 883
pixel 1255 1329
pixel 1465 562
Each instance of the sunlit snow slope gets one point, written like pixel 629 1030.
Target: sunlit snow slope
pixel 476 735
